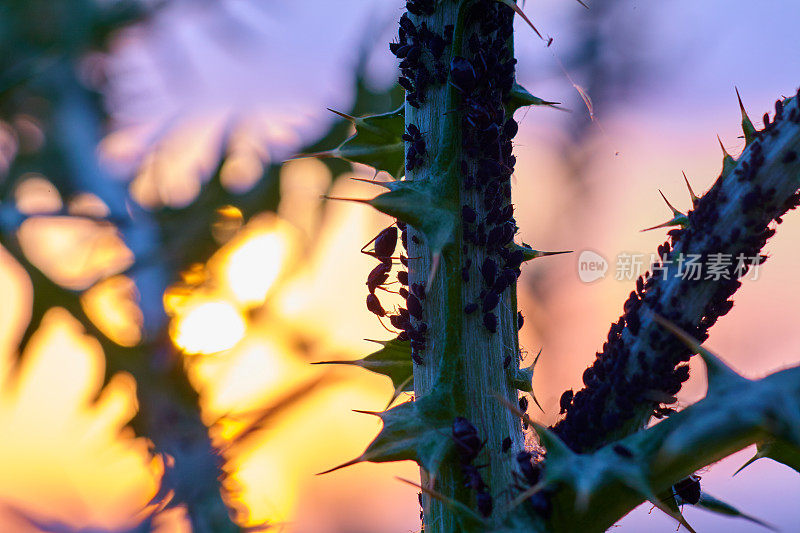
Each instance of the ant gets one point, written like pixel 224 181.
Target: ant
pixel 385 244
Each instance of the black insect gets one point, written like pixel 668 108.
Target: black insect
pixel 374 305
pixel 520 320
pixel 506 445
pixel 385 244
pixel 402 277
pixel 523 404
pixel 490 301
pixel 470 308
pixel 417 358
pixel 531 473
pixel 507 361
pixel 510 128
pixel 414 307
pixel 465 436
pixel 468 214
pixel 490 322
pixel 378 276
pixel 462 75
pixel 473 478
pixel 565 401
pixel 405 83
pixel 688 489
pixel 419 290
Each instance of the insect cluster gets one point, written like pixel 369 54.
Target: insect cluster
pixel 468 445
pixel 612 395
pixel 484 79
pixel 385 244
pixel 415 45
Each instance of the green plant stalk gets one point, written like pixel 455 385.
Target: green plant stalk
pixel 463 362
pixel 593 491
pixel 767 172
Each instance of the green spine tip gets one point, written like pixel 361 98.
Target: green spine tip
pixel 678 218
pixel 343 115
pixel 747 125
pixel 714 505
pixel 521 97
pixel 385 184
pixel 342 199
pixel 343 465
pixel 693 196
pixel 719 374
pixel 672 208
pixel 320 155
pixel 530 254
pixel 365 412
pixel 750 461
pixel 518 11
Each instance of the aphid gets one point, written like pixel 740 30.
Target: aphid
pixel 402 277
pixel 465 273
pixel 405 83
pixel 465 436
pixel 398 322
pixel 374 305
pixel 414 307
pixel 490 301
pixel 520 320
pixel 417 358
pixel 506 445
pixel 490 322
pixel 403 292
pixel 468 214
pixel 470 308
pixel 531 473
pixel 462 75
pixel 507 361
pixel 565 401
pixel 510 128
pixel 523 404
pixel 473 478
pixel 408 26
pixel 436 45
pixel 485 505
pixel 688 489
pixel 419 290
pixel 489 271
pixel 378 276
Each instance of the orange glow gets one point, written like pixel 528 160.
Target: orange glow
pixel 253 263
pixel 208 327
pixel 74 252
pixel 111 306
